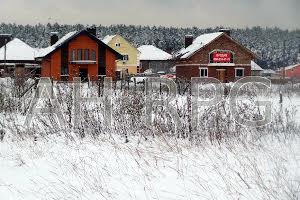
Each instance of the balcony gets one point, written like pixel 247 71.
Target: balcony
pixel 84 62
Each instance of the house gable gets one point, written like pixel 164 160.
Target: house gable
pixel 74 35
pixel 241 54
pixel 121 45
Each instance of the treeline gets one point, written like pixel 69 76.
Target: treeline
pixel 275 47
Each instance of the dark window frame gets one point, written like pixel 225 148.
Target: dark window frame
pixel 79 54
pixel 64 70
pixel 86 54
pixel 205 72
pixel 125 56
pixel 237 74
pixel 73 55
pixel 93 55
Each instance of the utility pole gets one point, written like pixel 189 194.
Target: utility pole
pixel 282 76
pixel 5 41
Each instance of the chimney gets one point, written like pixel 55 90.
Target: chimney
pixel 92 30
pixel 227 31
pixel 169 50
pixel 4 39
pixel 188 40
pixel 53 38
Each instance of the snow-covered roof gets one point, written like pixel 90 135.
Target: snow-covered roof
pixel 150 52
pixel 292 66
pixel 16 49
pixel 198 43
pixel 108 38
pixel 255 67
pixel 268 71
pixel 45 51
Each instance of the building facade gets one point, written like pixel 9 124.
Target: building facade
pixel 155 59
pixel 130 60
pixel 78 54
pixel 17 58
pixel 214 55
pixel 256 70
pixel 293 71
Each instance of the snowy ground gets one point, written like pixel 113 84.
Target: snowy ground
pixel 108 169
pixel 161 168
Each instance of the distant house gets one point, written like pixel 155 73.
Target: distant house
pixel 130 53
pixel 256 70
pixel 215 55
pixel 155 59
pixel 293 71
pixel 269 73
pixel 78 53
pixel 18 57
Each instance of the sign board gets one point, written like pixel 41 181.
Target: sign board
pixel 222 57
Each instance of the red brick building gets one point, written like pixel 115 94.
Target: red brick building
pixel 293 71
pixel 78 54
pixel 214 55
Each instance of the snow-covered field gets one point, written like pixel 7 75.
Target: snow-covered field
pixel 256 164
pixel 107 169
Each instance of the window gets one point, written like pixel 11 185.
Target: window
pixel 239 72
pixel 93 56
pixel 64 70
pixel 73 55
pixel 125 57
pixel 203 72
pixel 79 54
pixel 86 54
pixel 118 45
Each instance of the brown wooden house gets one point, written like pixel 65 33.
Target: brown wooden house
pixel 78 54
pixel 215 55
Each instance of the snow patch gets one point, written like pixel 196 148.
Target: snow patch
pixel 198 43
pixel 150 52
pixel 108 38
pixel 16 49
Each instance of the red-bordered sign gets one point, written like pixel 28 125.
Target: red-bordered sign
pixel 222 57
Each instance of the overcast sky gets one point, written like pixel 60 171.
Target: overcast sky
pixel 183 13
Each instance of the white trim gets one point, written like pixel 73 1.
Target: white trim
pixel 220 69
pixel 126 65
pixel 182 65
pixel 84 61
pixel 205 68
pixel 214 64
pixel 221 64
pixel 239 68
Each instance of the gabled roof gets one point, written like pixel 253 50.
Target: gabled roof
pixel 46 51
pixel 149 52
pixel 255 66
pixel 292 66
pixel 268 71
pixel 202 41
pixel 67 38
pixel 108 38
pixel 198 43
pixel 16 50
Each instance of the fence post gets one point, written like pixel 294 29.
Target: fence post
pixel 134 80
pixel 99 89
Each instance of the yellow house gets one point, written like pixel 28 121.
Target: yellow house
pixel 130 62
